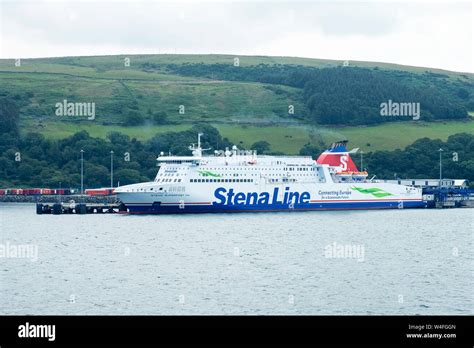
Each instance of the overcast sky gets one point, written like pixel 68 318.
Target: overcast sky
pixel 438 35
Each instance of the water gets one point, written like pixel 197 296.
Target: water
pixel 413 262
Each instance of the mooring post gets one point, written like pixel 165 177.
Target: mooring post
pixel 39 208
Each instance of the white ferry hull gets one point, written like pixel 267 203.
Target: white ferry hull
pixel 249 197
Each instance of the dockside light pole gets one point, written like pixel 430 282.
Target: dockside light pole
pixel 440 167
pixel 111 169
pixel 361 161
pixel 82 171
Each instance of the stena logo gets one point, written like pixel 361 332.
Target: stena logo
pixel 343 163
pixel 229 197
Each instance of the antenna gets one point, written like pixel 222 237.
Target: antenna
pixel 199 140
pixel 197 151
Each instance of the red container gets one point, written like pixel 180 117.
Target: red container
pixel 32 191
pixel 99 192
pixel 47 191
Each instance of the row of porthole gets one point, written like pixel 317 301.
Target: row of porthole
pixel 220 180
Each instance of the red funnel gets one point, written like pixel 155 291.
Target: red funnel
pixel 338 156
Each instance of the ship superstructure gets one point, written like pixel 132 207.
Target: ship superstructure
pixel 236 180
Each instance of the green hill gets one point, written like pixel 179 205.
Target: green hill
pixel 241 106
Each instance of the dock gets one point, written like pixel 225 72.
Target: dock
pixel 441 193
pixel 449 197
pixel 79 208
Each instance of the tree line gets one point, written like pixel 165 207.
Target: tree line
pixel 351 95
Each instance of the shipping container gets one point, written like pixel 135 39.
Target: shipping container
pixel 99 192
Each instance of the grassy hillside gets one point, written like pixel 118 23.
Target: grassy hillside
pixel 100 64
pixel 242 111
pixel 288 138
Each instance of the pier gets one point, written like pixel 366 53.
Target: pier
pixel 79 208
pixel 449 197
pixel 442 193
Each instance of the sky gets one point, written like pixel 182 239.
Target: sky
pixel 419 33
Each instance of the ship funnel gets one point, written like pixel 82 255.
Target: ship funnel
pixel 338 156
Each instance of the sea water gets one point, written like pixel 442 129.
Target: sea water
pixel 416 261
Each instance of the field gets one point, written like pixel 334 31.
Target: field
pixel 288 139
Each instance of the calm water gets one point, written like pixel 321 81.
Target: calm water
pixel 407 262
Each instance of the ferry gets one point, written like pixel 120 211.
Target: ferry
pixel 234 180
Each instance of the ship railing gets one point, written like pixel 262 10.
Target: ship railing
pixel 284 156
